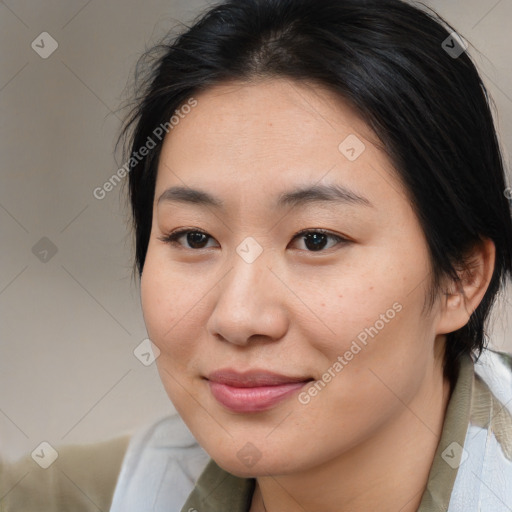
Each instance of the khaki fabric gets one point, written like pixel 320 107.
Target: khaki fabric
pixel 82 479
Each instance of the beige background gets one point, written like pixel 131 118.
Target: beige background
pixel 69 325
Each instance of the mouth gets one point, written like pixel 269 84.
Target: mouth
pixel 253 391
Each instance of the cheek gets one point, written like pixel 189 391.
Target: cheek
pixel 364 384
pixel 373 320
pixel 171 307
pixel 365 303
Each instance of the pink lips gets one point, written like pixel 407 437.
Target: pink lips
pixel 252 391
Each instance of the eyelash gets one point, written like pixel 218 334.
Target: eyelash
pixel 172 238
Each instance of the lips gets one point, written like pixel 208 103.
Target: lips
pixel 252 391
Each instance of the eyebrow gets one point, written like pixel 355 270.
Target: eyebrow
pixel 301 196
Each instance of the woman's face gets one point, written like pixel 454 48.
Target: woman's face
pixel 342 305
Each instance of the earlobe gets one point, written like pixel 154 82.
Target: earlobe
pixel 463 297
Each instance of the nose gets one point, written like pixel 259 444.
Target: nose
pixel 249 304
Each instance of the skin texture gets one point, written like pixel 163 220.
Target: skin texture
pixel 366 441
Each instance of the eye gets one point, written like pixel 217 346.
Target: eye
pixel 195 238
pixel 315 240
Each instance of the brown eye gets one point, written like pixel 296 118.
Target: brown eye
pixel 195 239
pixel 316 240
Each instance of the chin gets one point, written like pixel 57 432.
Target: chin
pixel 247 461
pixel 243 470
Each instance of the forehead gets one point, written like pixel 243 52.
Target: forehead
pixel 266 136
pixel 298 112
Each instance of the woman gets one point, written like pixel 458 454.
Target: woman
pixel 321 230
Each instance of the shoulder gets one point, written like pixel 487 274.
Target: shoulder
pixel 68 482
pixel 160 468
pixel 485 471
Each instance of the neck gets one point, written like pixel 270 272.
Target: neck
pixel 388 472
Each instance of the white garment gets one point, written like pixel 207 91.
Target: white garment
pixel 160 468
pixel 484 479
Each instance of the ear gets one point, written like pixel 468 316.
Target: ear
pixel 461 299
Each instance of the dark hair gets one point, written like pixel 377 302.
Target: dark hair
pixel 390 61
